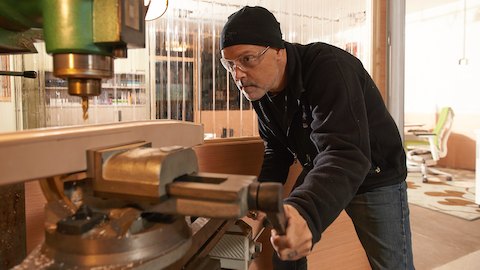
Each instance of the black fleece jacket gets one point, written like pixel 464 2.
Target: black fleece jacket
pixel 332 119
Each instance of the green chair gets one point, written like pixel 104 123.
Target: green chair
pixel 425 148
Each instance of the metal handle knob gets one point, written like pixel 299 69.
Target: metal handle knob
pixel 267 197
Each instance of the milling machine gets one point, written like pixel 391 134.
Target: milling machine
pixel 83 36
pixel 129 195
pixel 125 195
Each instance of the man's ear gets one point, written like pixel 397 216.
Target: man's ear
pixel 280 54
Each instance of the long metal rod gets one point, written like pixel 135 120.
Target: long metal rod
pixel 396 62
pixel 26 74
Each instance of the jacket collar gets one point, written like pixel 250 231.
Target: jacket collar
pixel 294 71
pixel 295 89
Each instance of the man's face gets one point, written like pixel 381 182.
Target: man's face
pixel 255 69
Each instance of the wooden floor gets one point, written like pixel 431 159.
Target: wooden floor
pixel 437 240
pixel 440 238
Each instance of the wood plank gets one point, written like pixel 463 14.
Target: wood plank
pixel 34 210
pixel 379 46
pixel 440 238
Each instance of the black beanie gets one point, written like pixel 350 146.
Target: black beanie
pixel 254 26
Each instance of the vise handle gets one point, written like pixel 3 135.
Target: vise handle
pixel 267 197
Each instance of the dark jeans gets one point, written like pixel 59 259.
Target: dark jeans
pixel 381 220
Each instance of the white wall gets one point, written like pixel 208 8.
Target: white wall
pixel 7 106
pixel 7 116
pixel 434 45
pixel 433 77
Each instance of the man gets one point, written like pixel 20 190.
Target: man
pixel 317 105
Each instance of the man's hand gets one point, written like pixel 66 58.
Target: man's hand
pixel 297 242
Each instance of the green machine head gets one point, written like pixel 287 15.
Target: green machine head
pixel 83 36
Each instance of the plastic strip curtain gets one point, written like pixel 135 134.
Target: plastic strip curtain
pixel 191 84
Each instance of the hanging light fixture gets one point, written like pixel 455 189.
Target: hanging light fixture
pixel 464 60
pixel 156 8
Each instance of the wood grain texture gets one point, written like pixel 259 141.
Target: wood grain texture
pixel 34 210
pixel 439 238
pixel 232 156
pixel 379 47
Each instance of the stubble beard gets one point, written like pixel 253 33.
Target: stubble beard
pixel 261 92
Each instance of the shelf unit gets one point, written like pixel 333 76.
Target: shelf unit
pixel 123 98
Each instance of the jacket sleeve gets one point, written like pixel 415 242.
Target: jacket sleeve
pixel 276 159
pixel 340 133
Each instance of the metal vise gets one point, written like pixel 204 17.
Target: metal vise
pixel 132 204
